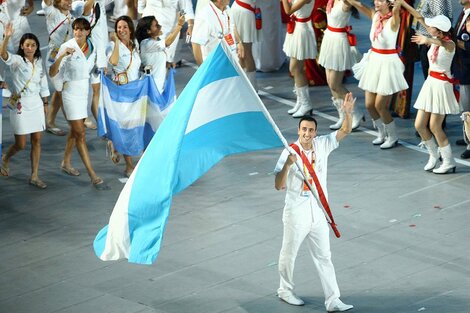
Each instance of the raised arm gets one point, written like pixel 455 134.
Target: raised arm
pixel 175 32
pixel 88 7
pixel 56 66
pixel 7 34
pixel 364 9
pixel 292 8
pixel 348 108
pixel 114 58
pixel 395 22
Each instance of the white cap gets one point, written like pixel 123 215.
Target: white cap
pixel 440 22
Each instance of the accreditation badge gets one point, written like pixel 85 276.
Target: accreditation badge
pixel 122 79
pixel 230 41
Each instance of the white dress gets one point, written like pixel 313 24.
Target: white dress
pixel 377 72
pixel 29 117
pixel 75 73
pixel 245 21
pixel 301 44
pixel 436 95
pixel 153 53
pixel 335 51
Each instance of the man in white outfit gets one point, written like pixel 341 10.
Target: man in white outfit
pixel 212 24
pixel 303 217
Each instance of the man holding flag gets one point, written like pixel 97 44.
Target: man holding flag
pixel 303 216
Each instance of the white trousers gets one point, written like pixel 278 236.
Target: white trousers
pixel 318 242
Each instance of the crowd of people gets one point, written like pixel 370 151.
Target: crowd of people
pixel 145 35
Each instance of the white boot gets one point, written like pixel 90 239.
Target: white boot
pixel 391 137
pixel 297 103
pixel 357 116
pixel 431 146
pixel 379 125
pixel 252 78
pixel 448 163
pixel 304 99
pixel 337 103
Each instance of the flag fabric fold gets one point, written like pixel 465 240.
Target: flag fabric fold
pixel 217 114
pixel 130 114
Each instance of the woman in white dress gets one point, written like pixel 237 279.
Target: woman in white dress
pixel 28 84
pixel 336 57
pixel 244 15
pixel 436 98
pixel 299 45
pixel 153 47
pixel 380 72
pixel 123 56
pixel 75 61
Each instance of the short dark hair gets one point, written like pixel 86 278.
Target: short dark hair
pixel 81 23
pixel 25 37
pixel 308 118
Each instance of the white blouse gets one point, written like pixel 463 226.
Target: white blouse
pixel 75 66
pixel 21 71
pixel 153 53
pixel 126 62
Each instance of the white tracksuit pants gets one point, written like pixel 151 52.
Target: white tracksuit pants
pixel 318 241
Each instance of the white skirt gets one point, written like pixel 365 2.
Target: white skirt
pixel 380 73
pixel 301 44
pixel 335 52
pixel 75 99
pixel 437 96
pixel 31 119
pixel 246 24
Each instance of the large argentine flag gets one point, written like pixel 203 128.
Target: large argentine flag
pixel 130 114
pixel 217 114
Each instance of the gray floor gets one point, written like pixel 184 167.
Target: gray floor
pixel 404 244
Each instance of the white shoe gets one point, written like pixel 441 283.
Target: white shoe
pixel 304 100
pixel 448 163
pixel 431 146
pixel 291 298
pixel 357 117
pixel 339 306
pixel 391 138
pixel 41 13
pixel 297 103
pixel 337 104
pixel 379 125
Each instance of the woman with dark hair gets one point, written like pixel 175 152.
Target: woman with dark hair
pixel 123 55
pixel 59 18
pixel 380 72
pixel 75 60
pixel 153 48
pixel 28 102
pixel 436 98
pixel 336 57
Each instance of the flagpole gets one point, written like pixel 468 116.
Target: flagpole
pixel 268 116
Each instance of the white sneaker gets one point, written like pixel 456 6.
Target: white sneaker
pixel 41 13
pixel 339 306
pixel 291 298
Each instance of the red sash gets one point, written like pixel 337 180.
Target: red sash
pixel 351 37
pixel 385 51
pixel 444 77
pixel 294 19
pixel 245 5
pixel 321 194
